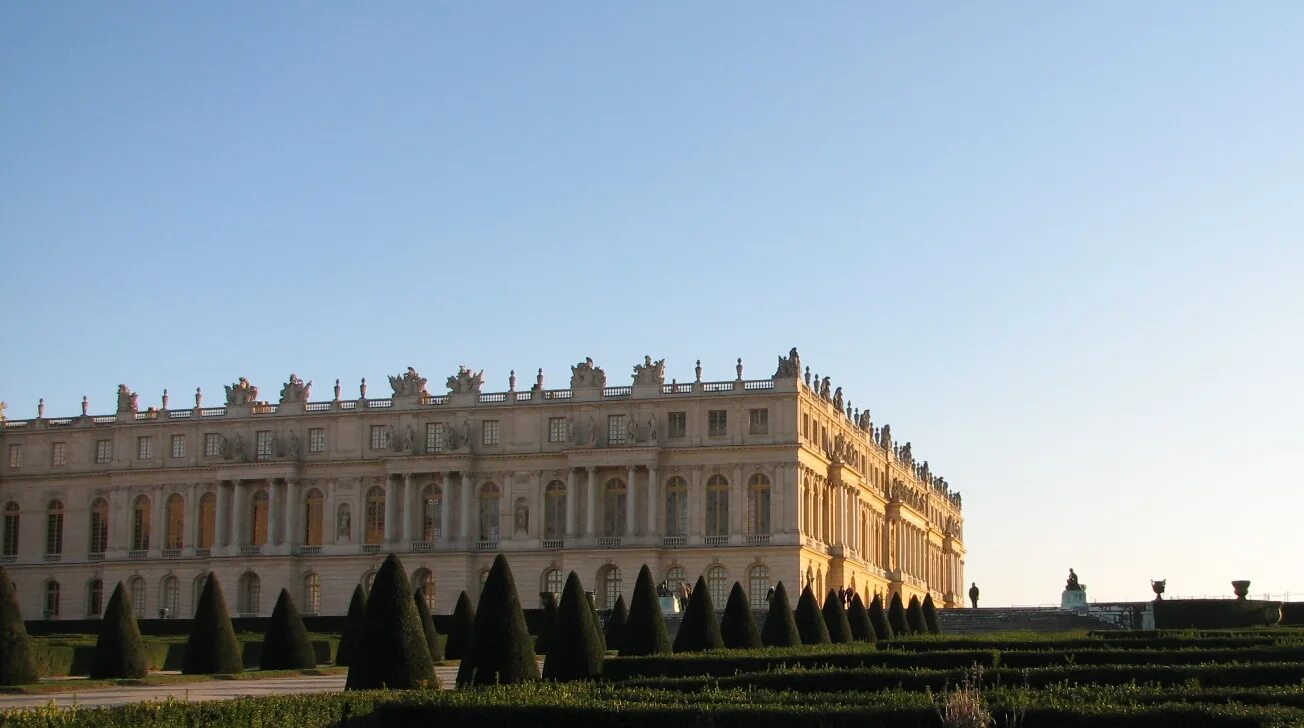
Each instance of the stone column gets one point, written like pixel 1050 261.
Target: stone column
pixel 291 533
pixel 696 506
pixel 591 484
pixel 413 508
pixel 737 505
pixel 468 485
pixel 653 502
pixel 220 517
pixel 158 529
pixel 445 508
pixel 190 536
pixel 630 500
pixel 538 506
pixel 572 499
pixel 235 537
pixel 273 511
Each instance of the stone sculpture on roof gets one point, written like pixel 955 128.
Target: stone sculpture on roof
pixel 127 399
pixel 649 372
pixel 789 366
pixel 241 393
pixel 464 382
pixel 295 390
pixel 408 384
pixel 585 374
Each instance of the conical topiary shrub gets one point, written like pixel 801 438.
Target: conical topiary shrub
pixel 835 619
pixel 212 648
pixel 699 631
pixel 119 651
pixel 428 626
pixel 810 620
pixel 780 628
pixel 896 616
pixel 354 623
pixel 930 615
pixel 547 625
pixel 878 619
pixel 576 652
pixel 392 651
pixel 862 630
pixel 16 664
pixel 915 617
pixel 459 633
pixel 602 637
pixel 738 628
pixel 645 630
pixel 501 651
pixel 615 630
pixel 286 645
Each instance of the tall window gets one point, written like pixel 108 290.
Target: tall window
pixel 140 524
pixel 311 594
pixel 178 446
pixel 379 437
pixel 717 423
pixel 15 456
pixel 676 507
pixel 489 432
pixel 489 512
pixel 554 510
pixel 258 518
pixel 169 595
pixel 136 590
pixel 207 520
pixel 425 581
pixel 103 452
pixel 51 599
pixel 54 527
pixel 717 584
pixel 11 529
pixel 677 424
pixel 758 421
pixel 174 527
pixel 212 445
pixel 432 517
pixel 313 510
pixel 59 454
pixel 263 445
pixel 615 429
pixel 758 585
pixel 375 516
pixel 316 439
pixel 717 506
pixel 251 588
pixel 99 526
pixel 610 586
pixel 144 447
pixel 557 429
pixel 614 501
pixel 436 437
pixel 758 505
pixel 675 576
pixel 552 582
pixel 94 598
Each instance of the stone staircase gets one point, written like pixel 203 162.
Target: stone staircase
pixel 1008 619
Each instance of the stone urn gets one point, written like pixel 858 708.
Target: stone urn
pixel 1158 586
pixel 1241 588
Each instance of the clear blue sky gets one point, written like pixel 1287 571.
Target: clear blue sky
pixel 1057 246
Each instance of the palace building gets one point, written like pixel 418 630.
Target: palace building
pixel 748 480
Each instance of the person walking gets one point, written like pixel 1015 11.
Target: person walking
pixel 973 594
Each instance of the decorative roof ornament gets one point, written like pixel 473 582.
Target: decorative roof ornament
pixel 585 374
pixel 464 382
pixel 295 391
pixel 650 372
pixel 408 384
pixel 128 401
pixel 242 393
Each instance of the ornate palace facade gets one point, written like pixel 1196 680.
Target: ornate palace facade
pixel 750 480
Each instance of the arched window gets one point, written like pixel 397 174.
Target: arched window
pixel 810 578
pixel 54 527
pixel 676 507
pixel 554 510
pixel 610 581
pixel 51 599
pixel 717 585
pixel 758 505
pixel 425 581
pixel 251 588
pixel 675 576
pixel 552 582
pixel 367 580
pixel 489 512
pixel 717 506
pixel 614 502
pixel 136 590
pixel 432 505
pixel 375 523
pixel 343 524
pixel 175 525
pixel 311 594
pixel 258 511
pixel 11 529
pixel 140 524
pixel 169 594
pixel 207 520
pixel 314 505
pixel 94 598
pixel 758 585
pixel 99 535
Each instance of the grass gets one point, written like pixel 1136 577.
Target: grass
pixel 77 685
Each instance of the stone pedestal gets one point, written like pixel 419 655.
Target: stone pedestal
pixel 1074 600
pixel 669 605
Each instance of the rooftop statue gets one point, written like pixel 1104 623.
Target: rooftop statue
pixel 464 382
pixel 1072 584
pixel 824 388
pixel 837 399
pixel 295 390
pixel 408 384
pixel 241 393
pixel 649 372
pixel 127 399
pixel 585 374
pixel 789 366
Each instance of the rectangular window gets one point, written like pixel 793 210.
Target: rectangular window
pixel 103 452
pixel 144 448
pixel 557 429
pixel 436 437
pixel 615 429
pixel 758 421
pixel 677 424
pixel 212 445
pixel 379 437
pixel 489 432
pixel 316 439
pixel 717 423
pixel 263 445
pixel 15 456
pixel 805 426
pixel 178 446
pixel 59 454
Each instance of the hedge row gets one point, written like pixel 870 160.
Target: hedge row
pixel 60 660
pixel 1161 641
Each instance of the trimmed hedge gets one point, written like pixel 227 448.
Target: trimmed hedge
pixel 930 615
pixel 896 617
pixel 212 648
pixel 459 633
pixel 16 664
pixel 835 619
pixel 500 651
pixel 615 631
pixel 915 617
pixel 119 651
pixel 548 625
pixel 354 625
pixel 392 651
pixel 858 618
pixel 878 619
pixel 780 628
pixel 699 632
pixel 577 651
pixel 286 645
pixel 428 626
pixel 737 627
pixel 1208 613
pixel 645 631
pixel 810 620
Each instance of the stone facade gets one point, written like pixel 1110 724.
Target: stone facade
pixel 749 480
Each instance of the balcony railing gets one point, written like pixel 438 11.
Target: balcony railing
pixel 673 542
pixel 758 539
pixel 95 556
pixel 307 550
pixel 717 540
pixel 553 544
pixel 138 554
pixel 606 542
pixel 171 553
pixel 54 557
pixel 422 547
pixel 370 548
pixel 8 559
pixel 486 545
pixel 203 553
pixel 251 550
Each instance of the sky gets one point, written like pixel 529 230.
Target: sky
pixel 1057 246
